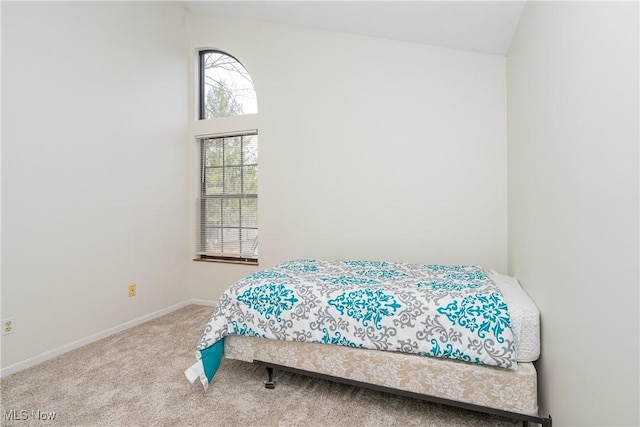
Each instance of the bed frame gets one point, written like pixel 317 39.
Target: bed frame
pixel 496 391
pixel 526 419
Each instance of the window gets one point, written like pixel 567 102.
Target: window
pixel 226 89
pixel 229 198
pixel 227 207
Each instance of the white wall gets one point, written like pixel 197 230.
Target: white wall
pixel 573 202
pixel 94 168
pixel 369 149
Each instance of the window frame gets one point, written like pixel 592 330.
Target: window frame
pixel 213 127
pixel 203 197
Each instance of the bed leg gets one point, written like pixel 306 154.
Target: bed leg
pixel 270 384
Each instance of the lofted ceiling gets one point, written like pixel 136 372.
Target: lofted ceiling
pixel 478 26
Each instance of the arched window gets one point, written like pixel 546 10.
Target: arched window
pixel 226 89
pixel 227 226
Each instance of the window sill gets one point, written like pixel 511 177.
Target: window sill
pixel 226 261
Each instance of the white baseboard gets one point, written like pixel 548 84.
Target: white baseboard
pixel 202 302
pixel 32 361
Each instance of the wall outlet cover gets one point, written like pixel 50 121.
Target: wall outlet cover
pixel 8 325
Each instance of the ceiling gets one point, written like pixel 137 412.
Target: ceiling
pixel 479 26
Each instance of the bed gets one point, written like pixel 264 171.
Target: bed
pixel 457 335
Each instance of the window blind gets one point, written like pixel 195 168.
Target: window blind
pixel 228 199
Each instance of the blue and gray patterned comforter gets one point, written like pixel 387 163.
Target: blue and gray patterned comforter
pixel 453 312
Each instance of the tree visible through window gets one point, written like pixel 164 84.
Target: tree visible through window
pixel 228 199
pixel 226 89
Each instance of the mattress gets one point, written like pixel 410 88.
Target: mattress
pixel 505 389
pixel 525 317
pixel 453 311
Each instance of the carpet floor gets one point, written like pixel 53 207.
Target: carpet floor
pixel 135 378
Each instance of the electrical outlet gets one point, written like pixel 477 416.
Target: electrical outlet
pixel 8 325
pixel 132 290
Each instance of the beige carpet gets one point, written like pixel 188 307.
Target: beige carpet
pixel 135 378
